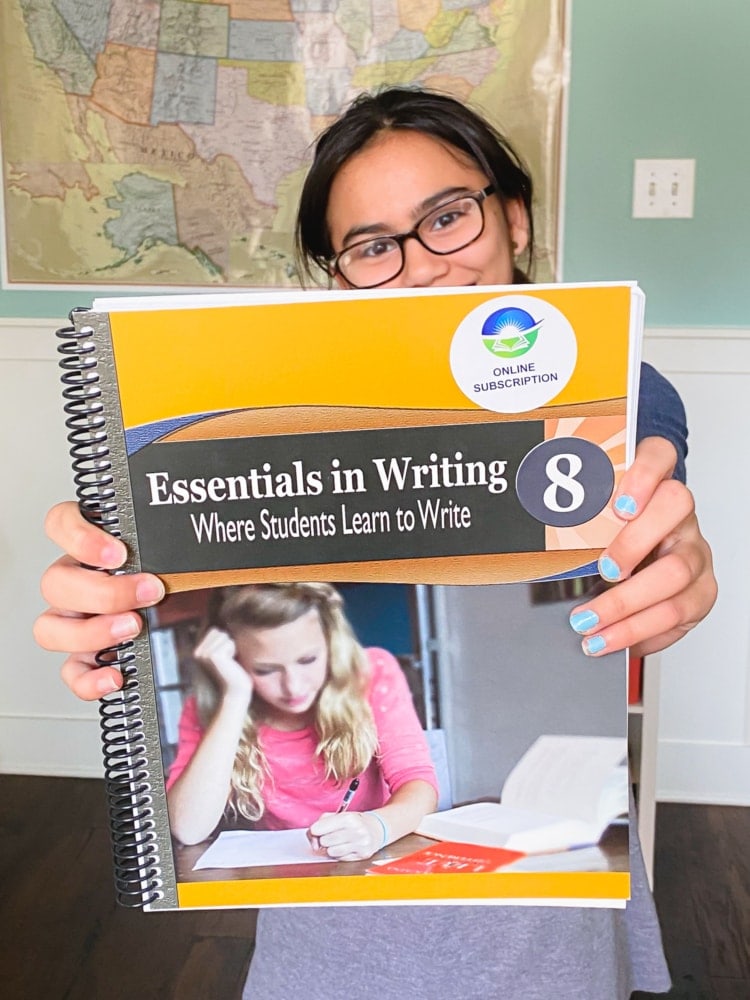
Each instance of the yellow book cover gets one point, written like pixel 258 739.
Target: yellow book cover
pixel 373 514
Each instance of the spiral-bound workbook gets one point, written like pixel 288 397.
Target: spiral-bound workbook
pixel 373 514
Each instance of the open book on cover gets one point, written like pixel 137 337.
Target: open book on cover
pixel 563 793
pixel 446 460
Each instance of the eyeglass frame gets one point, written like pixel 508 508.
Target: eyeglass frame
pixel 400 238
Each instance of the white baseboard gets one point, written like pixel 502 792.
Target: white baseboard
pixel 708 773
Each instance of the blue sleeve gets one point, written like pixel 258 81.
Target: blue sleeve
pixel 661 414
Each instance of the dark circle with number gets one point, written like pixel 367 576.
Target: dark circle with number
pixel 565 481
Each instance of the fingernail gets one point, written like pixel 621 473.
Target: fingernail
pixel 608 568
pixel 149 591
pixel 593 645
pixel 106 685
pixel 626 504
pixel 125 627
pixel 112 554
pixel 582 621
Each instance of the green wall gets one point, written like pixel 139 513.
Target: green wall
pixel 650 78
pixel 662 78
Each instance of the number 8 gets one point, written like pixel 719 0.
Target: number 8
pixel 564 481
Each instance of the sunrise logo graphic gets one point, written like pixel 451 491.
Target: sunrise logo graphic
pixel 510 332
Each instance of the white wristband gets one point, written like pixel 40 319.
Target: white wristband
pixel 380 820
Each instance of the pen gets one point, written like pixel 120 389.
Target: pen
pixel 348 796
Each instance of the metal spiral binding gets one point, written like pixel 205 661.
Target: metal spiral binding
pixel 126 770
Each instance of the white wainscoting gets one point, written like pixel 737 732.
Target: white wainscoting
pixel 43 728
pixel 704 729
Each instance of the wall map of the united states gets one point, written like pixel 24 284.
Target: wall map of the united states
pixel 164 143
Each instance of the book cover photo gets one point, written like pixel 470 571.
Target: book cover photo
pixel 525 752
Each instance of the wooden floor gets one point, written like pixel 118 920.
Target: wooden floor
pixel 702 890
pixel 62 937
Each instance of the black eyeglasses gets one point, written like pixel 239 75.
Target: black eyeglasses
pixel 444 230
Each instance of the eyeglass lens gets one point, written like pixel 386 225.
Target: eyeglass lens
pixel 445 230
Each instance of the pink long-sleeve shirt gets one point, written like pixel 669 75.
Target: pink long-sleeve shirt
pixel 297 792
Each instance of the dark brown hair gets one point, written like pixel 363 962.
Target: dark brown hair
pixel 431 113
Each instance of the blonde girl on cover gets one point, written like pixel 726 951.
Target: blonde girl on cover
pixel 289 714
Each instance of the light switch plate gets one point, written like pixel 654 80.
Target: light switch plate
pixel 663 189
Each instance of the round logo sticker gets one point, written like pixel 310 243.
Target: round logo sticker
pixel 513 353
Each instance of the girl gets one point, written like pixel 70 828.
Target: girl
pixel 411 189
pixel 393 184
pixel 288 712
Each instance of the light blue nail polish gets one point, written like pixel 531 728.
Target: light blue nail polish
pixel 594 645
pixel 582 621
pixel 626 504
pixel 608 568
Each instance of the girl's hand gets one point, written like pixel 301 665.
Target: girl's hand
pixel 654 605
pixel 217 652
pixel 89 610
pixel 346 836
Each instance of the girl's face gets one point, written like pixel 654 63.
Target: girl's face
pixel 398 178
pixel 288 666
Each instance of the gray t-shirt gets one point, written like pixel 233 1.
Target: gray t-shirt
pixel 461 952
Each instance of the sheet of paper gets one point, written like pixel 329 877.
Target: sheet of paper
pixel 253 848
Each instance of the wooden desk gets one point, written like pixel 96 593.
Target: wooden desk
pixel 614 847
